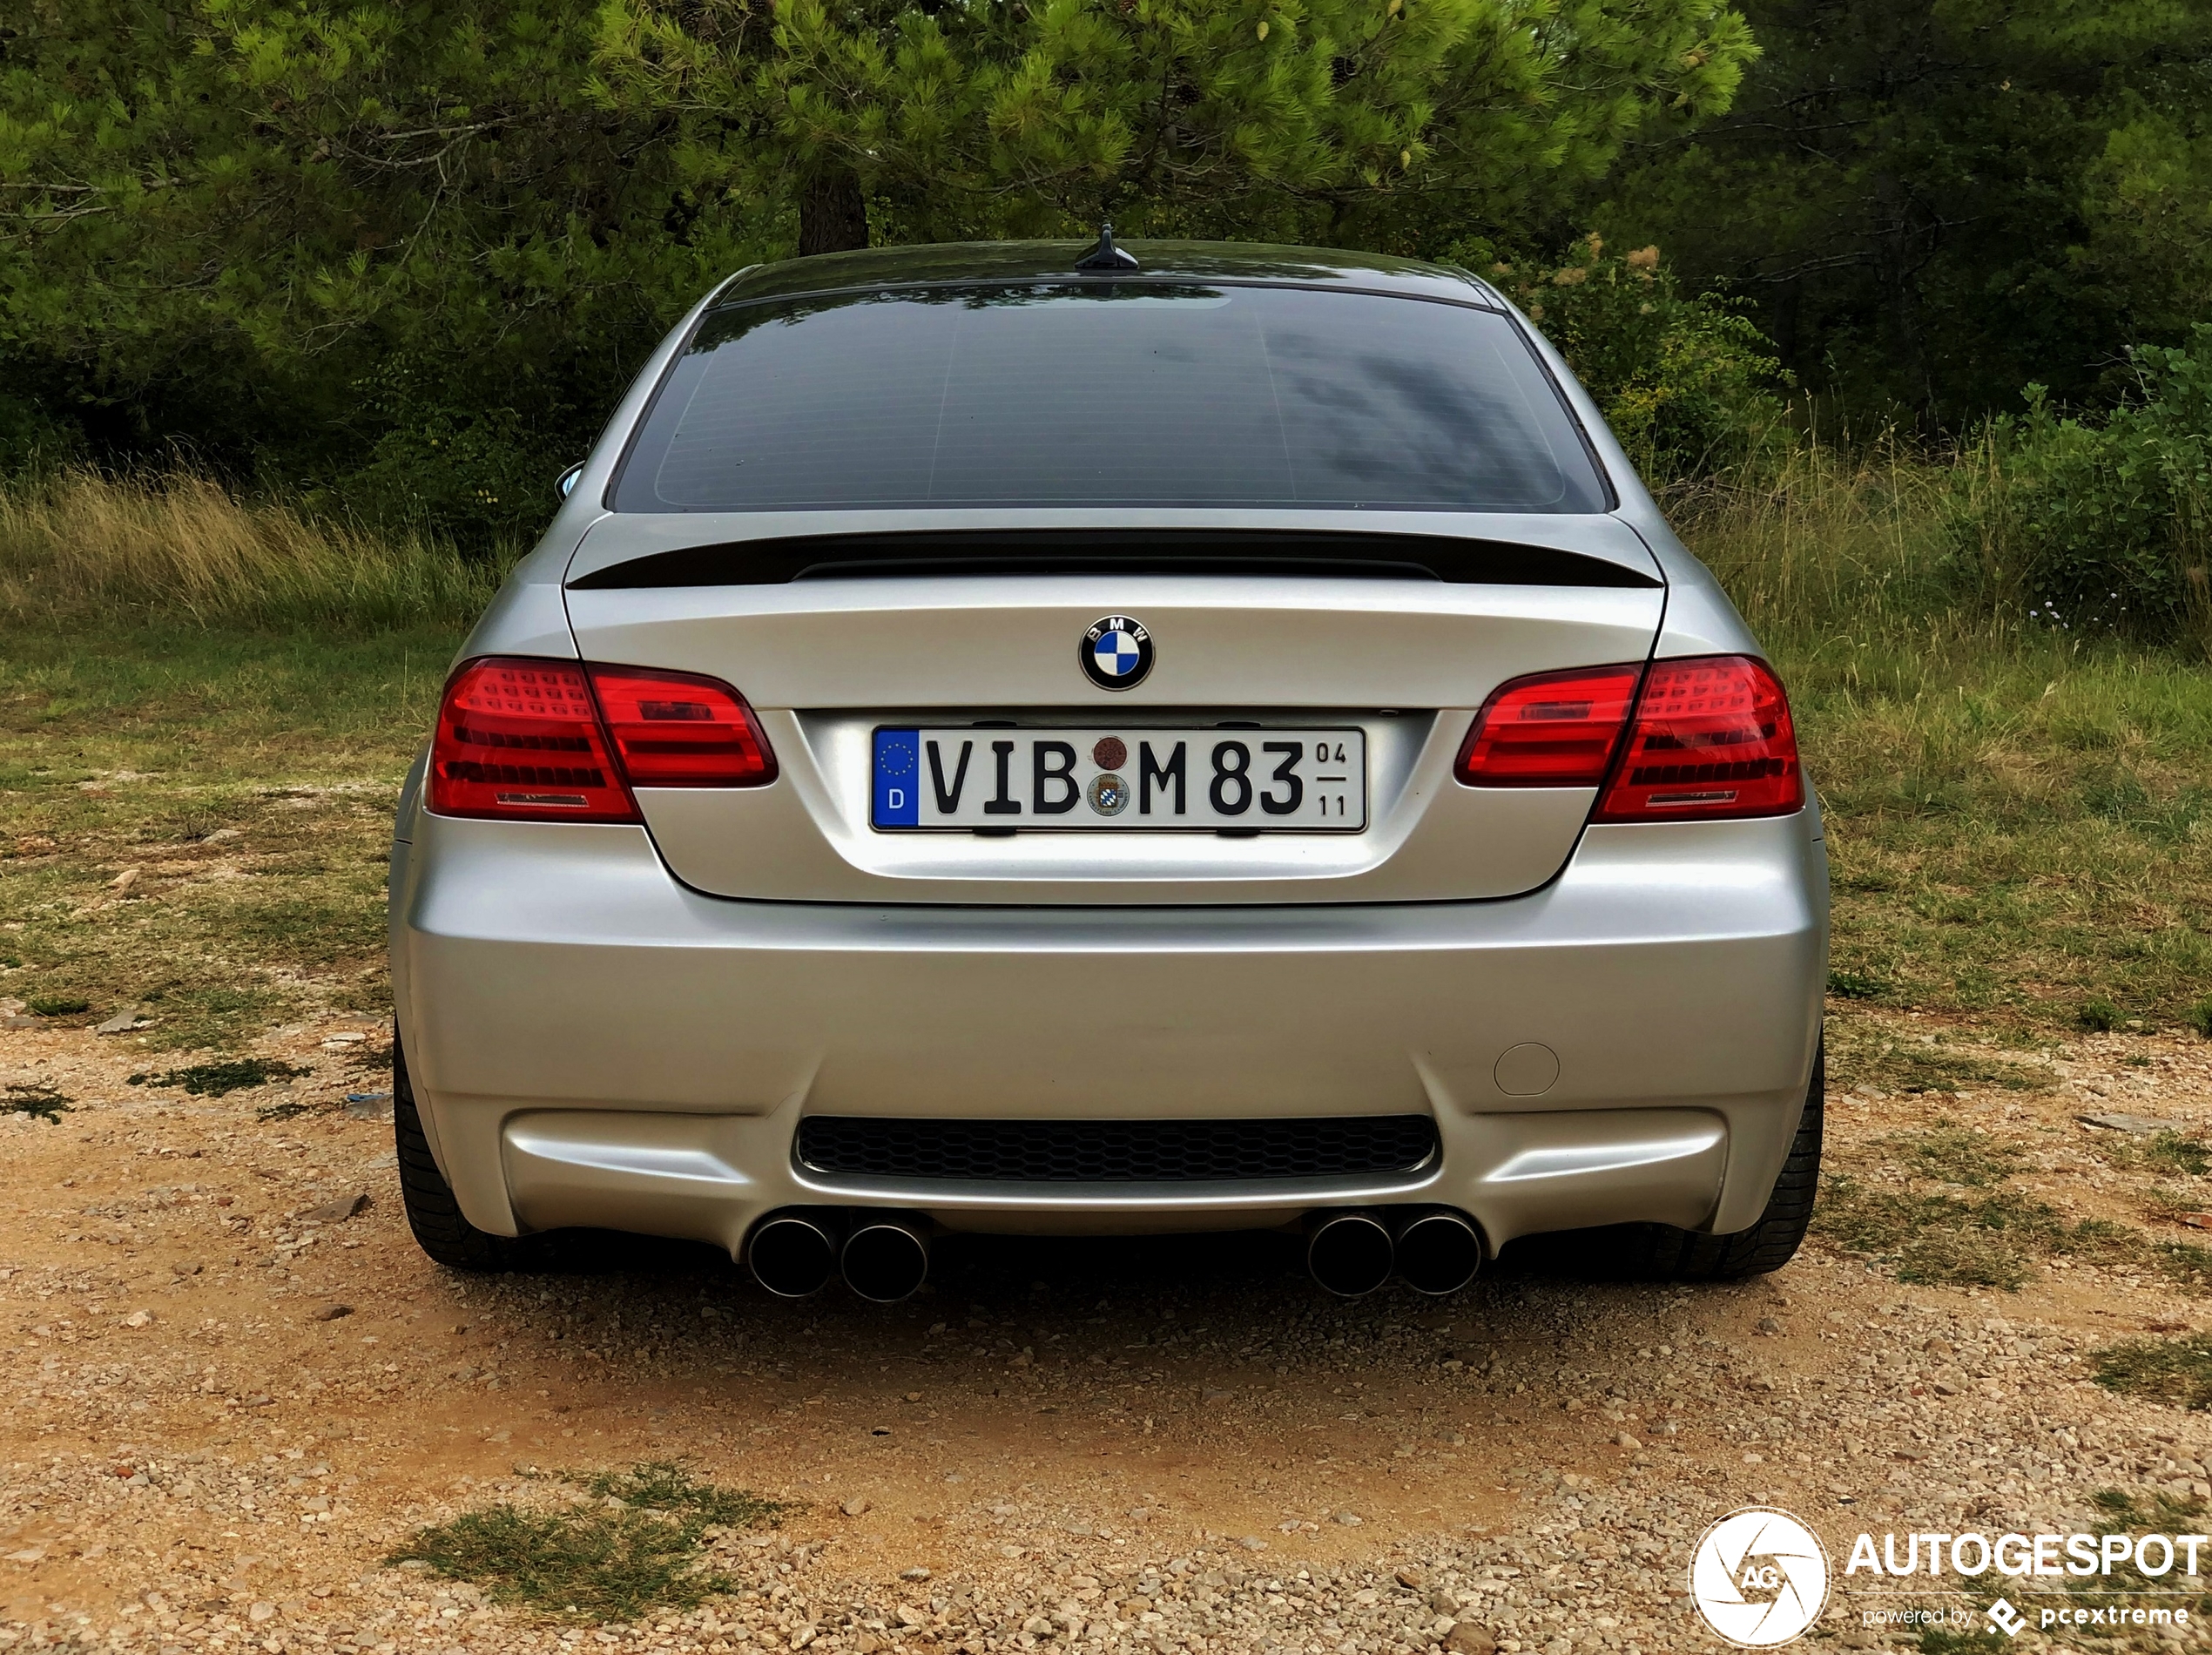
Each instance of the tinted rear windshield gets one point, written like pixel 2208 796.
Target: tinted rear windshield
pixel 1103 394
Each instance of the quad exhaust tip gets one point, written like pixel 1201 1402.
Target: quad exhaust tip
pixel 792 1254
pixel 883 1257
pixel 1439 1251
pixel 1349 1252
pixel 1434 1250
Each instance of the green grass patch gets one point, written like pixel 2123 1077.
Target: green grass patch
pixel 2128 1586
pixel 1861 1052
pixel 2181 1152
pixel 1937 1640
pixel 1954 1154
pixel 1970 1230
pixel 632 1544
pixel 57 1005
pixel 2097 1016
pixel 249 777
pixel 1857 985
pixel 24 1098
pixel 219 1079
pixel 1957 1241
pixel 2168 1152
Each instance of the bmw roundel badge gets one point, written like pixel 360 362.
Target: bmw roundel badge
pixel 1117 654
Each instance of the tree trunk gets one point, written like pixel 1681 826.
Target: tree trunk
pixel 833 212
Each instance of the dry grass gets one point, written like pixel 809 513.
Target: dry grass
pixel 2019 818
pixel 182 548
pixel 1856 546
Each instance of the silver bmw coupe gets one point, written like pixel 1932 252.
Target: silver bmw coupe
pixel 1050 739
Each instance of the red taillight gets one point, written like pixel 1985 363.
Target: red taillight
pixel 521 740
pixel 1712 739
pixel 526 740
pixel 676 730
pixel 1553 730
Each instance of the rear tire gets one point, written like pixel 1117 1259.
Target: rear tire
pixel 432 1212
pixel 1661 1252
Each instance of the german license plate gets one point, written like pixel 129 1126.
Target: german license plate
pixel 967 777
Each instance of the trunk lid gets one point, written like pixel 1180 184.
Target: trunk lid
pixel 1288 643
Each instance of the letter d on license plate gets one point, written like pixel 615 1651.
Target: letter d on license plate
pixel 966 777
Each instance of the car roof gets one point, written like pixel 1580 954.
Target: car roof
pixel 964 262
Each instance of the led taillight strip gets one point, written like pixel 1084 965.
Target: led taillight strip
pixel 521 740
pixel 1703 738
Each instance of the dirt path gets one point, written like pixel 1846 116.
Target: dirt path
pixel 1084 1446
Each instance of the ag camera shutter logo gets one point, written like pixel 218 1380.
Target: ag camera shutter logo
pixel 1759 1577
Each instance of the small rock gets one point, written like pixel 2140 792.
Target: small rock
pixel 914 1397
pixel 1467 1638
pixel 123 1021
pixel 1444 1603
pixel 1252 1542
pixel 1213 1394
pixel 857 1506
pixel 338 1040
pixel 261 1613
pixel 2197 1220
pixel 1350 1519
pixel 124 880
pixel 336 1211
pixel 331 1313
pixel 138 1318
pixel 2145 1124
pixel 1409 1576
pixel 914 1574
pixel 369 1105
pixel 1623 1440
pixel 1766 1324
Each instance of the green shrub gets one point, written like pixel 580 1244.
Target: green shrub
pixel 481 476
pixel 2108 527
pixel 1690 386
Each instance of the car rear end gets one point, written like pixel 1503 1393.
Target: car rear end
pixel 993 747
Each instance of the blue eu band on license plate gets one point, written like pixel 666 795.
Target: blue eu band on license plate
pixel 898 803
pixel 986 778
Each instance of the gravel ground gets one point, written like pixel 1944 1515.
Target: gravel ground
pixel 1079 1446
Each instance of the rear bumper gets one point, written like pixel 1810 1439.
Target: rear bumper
pixel 593 1044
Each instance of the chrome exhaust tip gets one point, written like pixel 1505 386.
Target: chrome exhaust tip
pixel 1348 1252
pixel 1438 1250
pixel 885 1258
pixel 792 1254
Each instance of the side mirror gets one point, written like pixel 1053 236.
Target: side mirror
pixel 567 484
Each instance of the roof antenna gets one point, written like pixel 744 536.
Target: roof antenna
pixel 1106 255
